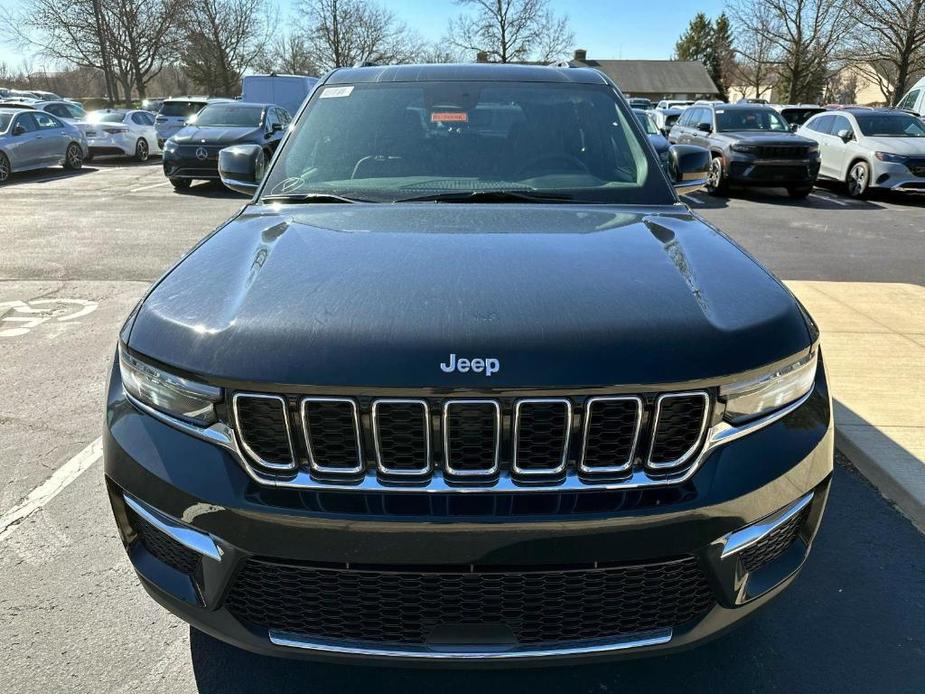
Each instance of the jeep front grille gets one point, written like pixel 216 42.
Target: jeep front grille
pixel 483 443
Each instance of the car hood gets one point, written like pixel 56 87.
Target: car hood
pixel 771 139
pixel 914 146
pixel 380 295
pixel 214 136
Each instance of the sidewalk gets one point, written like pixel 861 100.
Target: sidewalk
pixel 873 344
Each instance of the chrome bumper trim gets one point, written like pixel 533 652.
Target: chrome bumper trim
pixel 655 638
pixel 191 539
pixel 751 534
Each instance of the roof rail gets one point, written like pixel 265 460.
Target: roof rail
pixel 560 63
pixel 366 63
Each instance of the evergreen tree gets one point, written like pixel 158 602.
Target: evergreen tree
pixel 696 43
pixel 722 65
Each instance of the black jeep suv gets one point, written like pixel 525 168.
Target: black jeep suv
pixel 751 145
pixel 465 382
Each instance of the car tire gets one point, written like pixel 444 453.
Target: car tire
pixel 717 181
pixel 88 158
pixel 5 168
pixel 858 180
pixel 73 157
pixel 141 150
pixel 800 192
pixel 181 183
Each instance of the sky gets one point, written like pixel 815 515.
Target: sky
pixel 616 29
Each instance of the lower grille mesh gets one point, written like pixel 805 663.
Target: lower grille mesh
pixel 401 606
pixel 162 547
pixel 774 544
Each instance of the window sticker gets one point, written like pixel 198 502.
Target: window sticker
pixel 449 117
pixel 335 92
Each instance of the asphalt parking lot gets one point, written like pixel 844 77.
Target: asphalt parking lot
pixel 79 249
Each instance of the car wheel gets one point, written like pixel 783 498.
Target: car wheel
pixel 141 150
pixel 73 157
pixel 858 180
pixel 799 193
pixel 717 182
pixel 4 167
pixel 181 183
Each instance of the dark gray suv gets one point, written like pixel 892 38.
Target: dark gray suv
pixel 751 145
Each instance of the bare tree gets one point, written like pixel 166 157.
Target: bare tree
pixel 754 61
pixel 511 30
pixel 144 37
pixel 890 34
pixel 339 33
pixel 221 39
pixel 290 54
pixel 804 36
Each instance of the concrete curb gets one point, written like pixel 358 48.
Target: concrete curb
pixel 882 471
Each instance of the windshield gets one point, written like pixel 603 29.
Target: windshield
pixel 229 116
pixel 180 108
pixel 5 119
pixel 648 127
pixel 736 119
pixel 393 141
pixel 889 125
pixel 798 116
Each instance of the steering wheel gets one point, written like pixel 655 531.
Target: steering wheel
pixel 568 159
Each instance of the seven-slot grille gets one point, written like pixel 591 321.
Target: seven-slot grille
pixel 536 440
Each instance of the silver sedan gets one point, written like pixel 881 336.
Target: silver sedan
pixel 35 139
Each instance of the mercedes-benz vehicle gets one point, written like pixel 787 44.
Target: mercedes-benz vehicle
pixel 192 153
pixel 466 383
pixel 750 145
pixel 867 149
pixel 175 112
pixel 31 139
pixel 123 133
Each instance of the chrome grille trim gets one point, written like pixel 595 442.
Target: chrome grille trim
pixel 447 464
pixel 527 472
pixel 655 420
pixel 240 429
pixel 391 472
pixel 628 463
pixel 306 433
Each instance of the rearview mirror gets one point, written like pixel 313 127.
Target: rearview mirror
pixel 242 167
pixel 688 167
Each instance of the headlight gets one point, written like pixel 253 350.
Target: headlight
pixel 814 148
pixel 892 158
pixel 170 146
pixel 171 394
pixel 757 396
pixel 740 147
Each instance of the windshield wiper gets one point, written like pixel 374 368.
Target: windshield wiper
pixel 310 197
pixel 490 196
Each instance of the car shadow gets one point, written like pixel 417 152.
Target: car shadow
pixel 823 197
pixel 120 162
pixel 211 189
pixel 41 175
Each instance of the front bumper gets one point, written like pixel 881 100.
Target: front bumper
pixel 746 170
pixel 198 494
pixel 897 177
pixel 178 164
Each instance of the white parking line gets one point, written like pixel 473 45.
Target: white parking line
pixel 50 488
pixel 153 185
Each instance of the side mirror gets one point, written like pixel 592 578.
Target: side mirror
pixel 242 167
pixel 276 127
pixel 845 135
pixel 705 127
pixel 688 167
pixel 794 127
pixel 19 130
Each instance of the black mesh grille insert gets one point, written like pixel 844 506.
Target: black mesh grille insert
pixel 774 543
pixel 782 152
pixel 680 419
pixel 262 426
pixel 402 436
pixel 541 435
pixel 163 547
pixel 403 606
pixel 471 436
pixel 611 432
pixel 331 434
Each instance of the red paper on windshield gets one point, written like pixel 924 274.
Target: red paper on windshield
pixel 449 117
